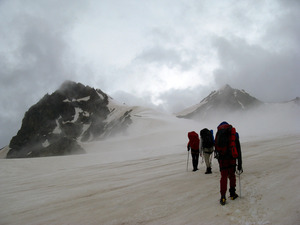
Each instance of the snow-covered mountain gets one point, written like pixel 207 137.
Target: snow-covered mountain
pixel 225 100
pixel 62 123
pixel 59 122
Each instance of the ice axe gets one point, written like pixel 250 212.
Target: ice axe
pixel 239 174
pixel 187 162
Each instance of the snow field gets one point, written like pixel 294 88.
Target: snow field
pixel 145 189
pixel 140 177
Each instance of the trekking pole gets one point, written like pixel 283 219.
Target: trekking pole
pixel 187 162
pixel 240 184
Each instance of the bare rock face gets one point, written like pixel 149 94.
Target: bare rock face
pixel 58 122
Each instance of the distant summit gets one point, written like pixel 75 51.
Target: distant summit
pixel 224 100
pixel 59 122
pixel 296 101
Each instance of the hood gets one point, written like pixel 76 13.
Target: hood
pixel 223 123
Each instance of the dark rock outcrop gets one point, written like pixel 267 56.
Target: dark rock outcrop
pixel 58 122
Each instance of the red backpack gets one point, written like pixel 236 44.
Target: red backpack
pixel 225 140
pixel 194 140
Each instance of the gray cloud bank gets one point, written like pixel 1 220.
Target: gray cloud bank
pixel 162 54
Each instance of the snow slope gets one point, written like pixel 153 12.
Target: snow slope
pixel 141 178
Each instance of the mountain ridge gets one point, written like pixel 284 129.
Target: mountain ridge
pixel 61 122
pixel 225 100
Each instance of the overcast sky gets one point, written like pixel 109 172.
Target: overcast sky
pixel 168 54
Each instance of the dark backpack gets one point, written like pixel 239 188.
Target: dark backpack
pixel 207 138
pixel 225 141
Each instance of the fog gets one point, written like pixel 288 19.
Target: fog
pixel 267 119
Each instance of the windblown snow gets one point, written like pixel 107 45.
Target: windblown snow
pixel 141 178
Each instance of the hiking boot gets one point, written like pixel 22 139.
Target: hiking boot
pixel 208 170
pixel 233 196
pixel 223 200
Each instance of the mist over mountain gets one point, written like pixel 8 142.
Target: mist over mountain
pixel 296 101
pixel 223 101
pixel 58 122
pixel 249 115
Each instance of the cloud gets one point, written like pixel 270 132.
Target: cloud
pixel 35 57
pixel 170 101
pixel 175 100
pixel 284 32
pixel 260 71
pixel 133 100
pixel 267 66
pixel 163 54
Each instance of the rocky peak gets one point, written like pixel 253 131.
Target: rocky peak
pixel 226 99
pixel 60 121
pixel 226 87
pixel 296 100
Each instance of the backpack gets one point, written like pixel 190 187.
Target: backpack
pixel 193 140
pixel 207 138
pixel 225 141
